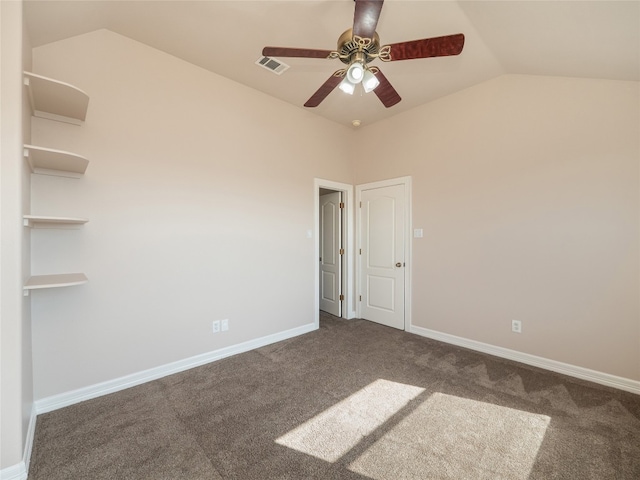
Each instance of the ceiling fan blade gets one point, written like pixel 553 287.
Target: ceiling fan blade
pixel 385 91
pixel 295 52
pixel 365 17
pixel 428 47
pixel 326 88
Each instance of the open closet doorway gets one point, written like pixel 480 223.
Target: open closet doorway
pixel 331 251
pixel 334 228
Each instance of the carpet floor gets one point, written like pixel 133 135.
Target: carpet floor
pixel 352 400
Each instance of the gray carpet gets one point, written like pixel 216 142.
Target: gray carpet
pixel 353 400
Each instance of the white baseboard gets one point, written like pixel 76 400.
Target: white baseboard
pixel 14 472
pixel 55 402
pixel 20 471
pixel 351 314
pixel 601 378
pixel 31 433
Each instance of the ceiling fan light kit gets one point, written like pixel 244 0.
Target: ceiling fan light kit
pixel 347 87
pixel 355 72
pixel 360 45
pixel 369 81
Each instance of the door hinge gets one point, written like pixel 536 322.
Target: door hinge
pixel 360 251
pixel 360 204
pixel 342 251
pixel 341 298
pixel 360 297
pixel 341 204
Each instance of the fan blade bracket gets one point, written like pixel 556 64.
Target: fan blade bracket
pixel 384 53
pixel 334 55
pixel 362 43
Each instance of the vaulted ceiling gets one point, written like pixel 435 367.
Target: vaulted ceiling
pixel 589 39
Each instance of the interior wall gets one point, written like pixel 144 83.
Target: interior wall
pixel 200 197
pixel 16 374
pixel 527 189
pixel 26 348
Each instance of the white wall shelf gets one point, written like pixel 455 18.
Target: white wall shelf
pixel 48 161
pixel 56 100
pixel 36 221
pixel 54 281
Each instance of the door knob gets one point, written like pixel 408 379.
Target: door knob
pixel 398 264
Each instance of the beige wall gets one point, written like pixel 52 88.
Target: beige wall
pixel 527 190
pixel 16 373
pixel 200 194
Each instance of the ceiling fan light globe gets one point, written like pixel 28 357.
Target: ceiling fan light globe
pixel 347 87
pixel 369 81
pixel 355 73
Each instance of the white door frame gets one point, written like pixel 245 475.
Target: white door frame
pixel 348 284
pixel 406 181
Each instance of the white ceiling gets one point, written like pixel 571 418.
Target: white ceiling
pixel 591 39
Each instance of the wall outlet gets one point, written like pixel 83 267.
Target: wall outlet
pixel 216 326
pixel 516 326
pixel 225 324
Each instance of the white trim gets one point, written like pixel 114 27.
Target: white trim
pixel 406 181
pixel 20 471
pixel 14 472
pixel 601 378
pixel 31 434
pixel 348 310
pixel 55 402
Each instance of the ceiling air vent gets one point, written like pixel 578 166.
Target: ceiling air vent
pixel 276 66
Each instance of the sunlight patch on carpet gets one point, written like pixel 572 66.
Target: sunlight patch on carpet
pixel 332 433
pixel 449 437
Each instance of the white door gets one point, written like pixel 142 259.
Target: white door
pixel 330 253
pixel 382 264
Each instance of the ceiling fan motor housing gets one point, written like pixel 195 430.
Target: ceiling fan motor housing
pixel 349 47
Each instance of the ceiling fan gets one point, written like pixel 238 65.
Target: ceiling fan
pixel 360 45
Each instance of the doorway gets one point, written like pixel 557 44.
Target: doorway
pixel 339 245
